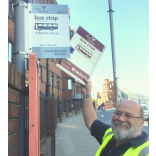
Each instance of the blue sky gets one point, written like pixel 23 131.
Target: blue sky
pixel 131 35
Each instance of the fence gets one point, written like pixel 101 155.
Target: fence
pixel 42 116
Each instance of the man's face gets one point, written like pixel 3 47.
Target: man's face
pixel 126 128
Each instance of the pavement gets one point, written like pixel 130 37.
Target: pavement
pixel 74 139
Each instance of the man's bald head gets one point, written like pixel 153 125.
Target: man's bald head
pixel 134 105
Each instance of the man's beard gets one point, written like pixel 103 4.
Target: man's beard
pixel 123 132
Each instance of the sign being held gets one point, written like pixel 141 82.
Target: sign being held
pixel 49 30
pixel 86 51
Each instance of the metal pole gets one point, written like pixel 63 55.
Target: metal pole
pixel 20 35
pixel 113 51
pixel 58 92
pixel 65 102
pixel 47 85
pixel 52 86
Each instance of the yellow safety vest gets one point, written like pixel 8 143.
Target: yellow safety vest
pixel 142 150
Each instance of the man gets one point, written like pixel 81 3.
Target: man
pixel 124 136
pixel 103 106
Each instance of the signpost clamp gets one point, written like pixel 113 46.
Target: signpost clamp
pixel 20 52
pixel 18 4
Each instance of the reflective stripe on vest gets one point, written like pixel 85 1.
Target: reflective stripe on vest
pixel 142 150
pixel 106 138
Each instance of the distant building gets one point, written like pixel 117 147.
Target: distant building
pixel 107 95
pixel 139 98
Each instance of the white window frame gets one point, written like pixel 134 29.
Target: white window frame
pixel 10 51
pixel 40 72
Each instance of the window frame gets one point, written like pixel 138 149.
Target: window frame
pixel 40 72
pixel 52 79
pixel 69 84
pixel 9 42
pixel 58 81
pixel 11 9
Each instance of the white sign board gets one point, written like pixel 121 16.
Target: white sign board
pixel 86 51
pixel 49 30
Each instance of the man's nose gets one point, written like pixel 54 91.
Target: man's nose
pixel 122 117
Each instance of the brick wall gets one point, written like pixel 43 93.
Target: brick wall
pixel 59 110
pixel 15 87
pixel 51 120
pixel 75 106
pixel 66 109
pixel 11 28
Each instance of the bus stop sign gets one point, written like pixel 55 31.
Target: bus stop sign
pixel 49 30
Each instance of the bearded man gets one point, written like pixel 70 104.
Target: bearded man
pixel 125 136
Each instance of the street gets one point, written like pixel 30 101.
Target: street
pixel 74 139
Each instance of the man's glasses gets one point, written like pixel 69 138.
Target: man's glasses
pixel 127 116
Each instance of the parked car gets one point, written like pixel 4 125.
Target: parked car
pixel 146 112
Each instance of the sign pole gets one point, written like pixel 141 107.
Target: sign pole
pixel 47 85
pixel 113 51
pixel 20 51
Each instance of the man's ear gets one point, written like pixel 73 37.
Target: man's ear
pixel 142 124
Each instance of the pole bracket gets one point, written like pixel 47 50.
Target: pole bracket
pixel 18 4
pixel 20 52
pixel 110 11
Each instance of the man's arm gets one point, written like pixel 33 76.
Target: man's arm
pixel 89 114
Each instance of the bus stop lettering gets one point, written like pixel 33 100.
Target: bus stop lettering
pixel 47 18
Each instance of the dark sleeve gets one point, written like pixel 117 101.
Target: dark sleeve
pixel 98 130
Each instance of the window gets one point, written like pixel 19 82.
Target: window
pixel 26 64
pixel 57 59
pixel 11 9
pixel 69 84
pixel 71 33
pixel 49 25
pixel 58 81
pixel 74 89
pixel 52 78
pixel 110 86
pixel 10 51
pixel 40 71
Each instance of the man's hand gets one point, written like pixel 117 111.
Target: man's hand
pixel 86 89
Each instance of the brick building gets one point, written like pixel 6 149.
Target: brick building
pixel 60 96
pixel 108 94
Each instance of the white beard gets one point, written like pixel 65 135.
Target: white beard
pixel 122 134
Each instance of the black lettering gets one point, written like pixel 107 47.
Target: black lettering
pixel 56 18
pixel 39 17
pixel 82 41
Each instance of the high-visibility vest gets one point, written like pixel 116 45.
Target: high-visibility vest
pixel 142 150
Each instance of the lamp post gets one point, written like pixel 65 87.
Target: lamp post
pixel 65 101
pixel 52 82
pixel 58 83
pixel 113 51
